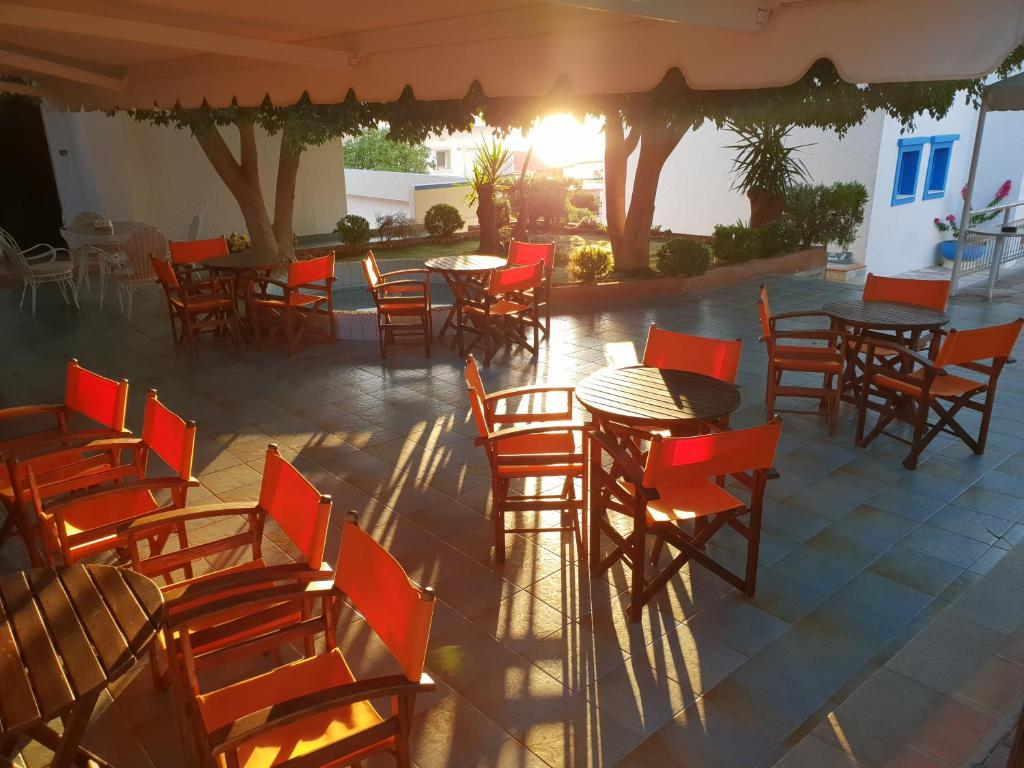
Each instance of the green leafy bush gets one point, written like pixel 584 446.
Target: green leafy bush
pixel 824 214
pixel 681 257
pixel 581 198
pixel 735 243
pixel 778 237
pixel 443 220
pixel 590 263
pixel 395 225
pixel 354 230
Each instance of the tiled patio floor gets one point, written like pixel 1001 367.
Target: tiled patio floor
pixel 535 662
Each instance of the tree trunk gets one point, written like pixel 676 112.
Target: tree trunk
pixel 243 181
pixel 487 217
pixel 656 143
pixel 617 149
pixel 764 207
pixel 284 195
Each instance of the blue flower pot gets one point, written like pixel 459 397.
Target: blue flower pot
pixel 972 251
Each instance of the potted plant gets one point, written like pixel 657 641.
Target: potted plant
pixel 973 247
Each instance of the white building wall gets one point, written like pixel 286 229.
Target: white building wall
pixel 373 192
pixel 903 238
pixel 136 171
pixel 695 191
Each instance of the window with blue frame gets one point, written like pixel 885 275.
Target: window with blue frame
pixel 908 168
pixel 937 174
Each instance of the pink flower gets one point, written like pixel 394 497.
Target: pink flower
pixel 951 219
pixel 963 192
pixel 938 220
pixel 1004 190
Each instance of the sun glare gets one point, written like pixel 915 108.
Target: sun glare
pixel 561 140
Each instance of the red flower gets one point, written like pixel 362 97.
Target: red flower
pixel 951 219
pixel 963 192
pixel 1004 190
pixel 938 220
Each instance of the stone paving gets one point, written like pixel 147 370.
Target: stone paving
pixel 535 661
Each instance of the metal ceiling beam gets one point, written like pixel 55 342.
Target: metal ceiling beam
pixel 114 28
pixel 21 62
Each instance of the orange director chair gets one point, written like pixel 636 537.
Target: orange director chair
pixel 546 445
pixel 522 254
pixel 824 358
pixel 198 306
pixel 188 255
pixel 80 516
pixel 930 294
pixel 403 305
pixel 717 358
pixel 305 306
pixel 94 407
pixel 500 312
pixel 314 712
pixel 674 495
pixel 912 397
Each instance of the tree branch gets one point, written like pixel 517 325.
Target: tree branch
pixel 220 157
pixel 248 153
pixel 284 193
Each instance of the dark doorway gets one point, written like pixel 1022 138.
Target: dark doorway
pixel 29 205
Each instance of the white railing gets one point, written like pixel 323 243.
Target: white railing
pixel 987 247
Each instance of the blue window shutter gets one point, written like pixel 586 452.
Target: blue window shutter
pixel 908 170
pixel 937 173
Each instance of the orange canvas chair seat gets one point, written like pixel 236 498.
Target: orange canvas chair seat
pixel 678 495
pixel 822 351
pixel 922 387
pixel 315 711
pixel 223 707
pixel 540 442
pixel 93 408
pixel 79 517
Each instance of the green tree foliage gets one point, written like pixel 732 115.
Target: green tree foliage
pixel 765 166
pixel 374 150
pixel 443 220
pixel 822 214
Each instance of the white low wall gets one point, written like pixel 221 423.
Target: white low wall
pixel 373 192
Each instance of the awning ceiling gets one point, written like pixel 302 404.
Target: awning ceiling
pixel 1006 95
pixel 144 52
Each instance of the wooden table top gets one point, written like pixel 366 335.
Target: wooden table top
pixel 67 632
pixel 653 396
pixel 471 262
pixel 885 315
pixel 243 260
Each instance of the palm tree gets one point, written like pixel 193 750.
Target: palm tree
pixel 490 177
pixel 765 167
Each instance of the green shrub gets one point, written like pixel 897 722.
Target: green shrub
pixel 681 257
pixel 443 220
pixel 590 263
pixel 354 230
pixel 581 198
pixel 395 225
pixel 735 243
pixel 588 223
pixel 778 237
pixel 822 214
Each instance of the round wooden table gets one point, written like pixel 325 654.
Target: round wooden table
pixel 65 634
pixel 245 266
pixel 906 323
pixel 457 271
pixel 654 397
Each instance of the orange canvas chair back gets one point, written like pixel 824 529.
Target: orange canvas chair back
pixel 979 344
pixel 521 254
pixel 678 459
pixel 169 436
pixel 397 610
pixel 932 294
pixel 515 279
pixel 300 509
pixel 310 270
pixel 165 273
pixel 370 271
pixel 717 358
pixel 98 398
pixel 765 312
pixel 477 396
pixel 194 251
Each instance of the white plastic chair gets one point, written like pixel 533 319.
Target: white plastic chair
pixel 82 253
pixel 137 271
pixel 41 264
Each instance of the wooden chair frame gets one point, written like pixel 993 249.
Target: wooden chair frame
pixel 201 306
pixel 499 320
pixel 300 310
pixel 804 360
pixel 397 295
pixel 620 488
pixel 915 411
pixel 567 465
pixel 298 592
pixel 543 291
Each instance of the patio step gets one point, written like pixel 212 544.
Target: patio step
pixel 947 698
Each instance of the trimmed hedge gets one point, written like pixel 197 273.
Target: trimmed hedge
pixel 682 257
pixel 354 230
pixel 590 263
pixel 443 220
